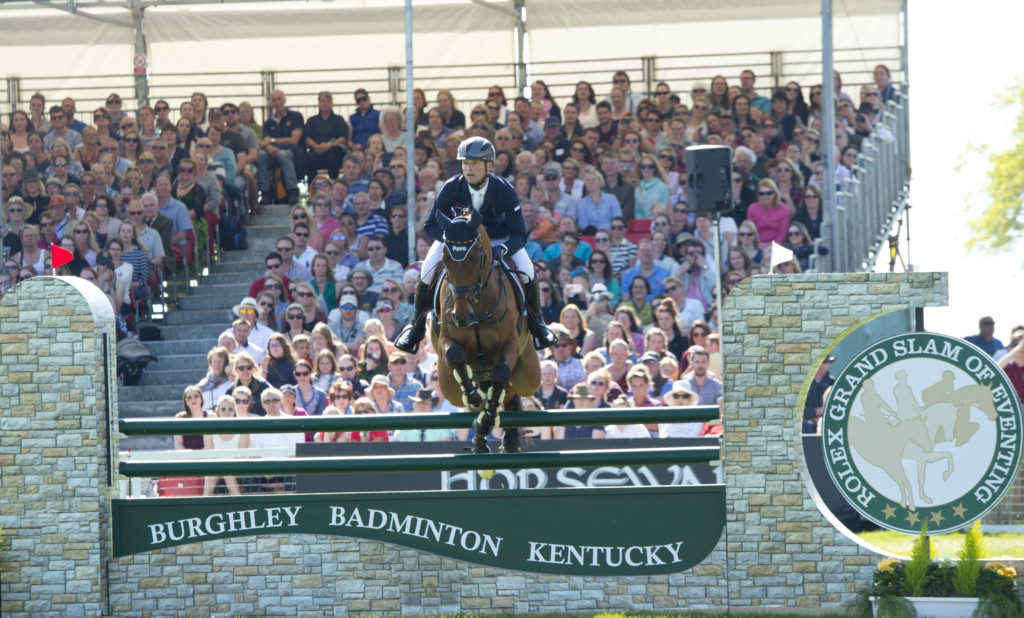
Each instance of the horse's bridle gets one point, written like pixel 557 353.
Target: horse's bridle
pixel 472 292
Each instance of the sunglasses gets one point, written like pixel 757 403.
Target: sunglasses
pixel 294 316
pixel 766 193
pixel 272 400
pixel 110 149
pixel 272 286
pixel 361 99
pixel 161 108
pixel 242 401
pixel 60 164
pixel 225 409
pixel 343 395
pixel 669 290
pixel 561 345
pixel 349 368
pixel 646 166
pixel 734 281
pixel 298 235
pixel 348 306
pixel 185 170
pixel 273 266
pixel 746 233
pixel 301 374
pixel 384 310
pixel 247 311
pixel 303 294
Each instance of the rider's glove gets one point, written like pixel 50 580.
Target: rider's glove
pixel 500 252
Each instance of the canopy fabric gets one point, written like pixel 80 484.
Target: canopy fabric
pixel 202 36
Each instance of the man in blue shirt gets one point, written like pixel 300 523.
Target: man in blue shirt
pixel 985 339
pixel 366 120
pixel 495 199
pixel 69 116
pixel 645 266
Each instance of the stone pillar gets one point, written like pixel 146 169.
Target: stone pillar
pixel 781 549
pixel 57 377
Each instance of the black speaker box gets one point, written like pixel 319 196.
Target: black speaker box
pixel 709 175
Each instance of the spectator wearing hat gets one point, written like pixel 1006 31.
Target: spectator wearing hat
pixel 652 362
pixel 384 311
pixel 382 396
pixel 562 204
pixel 361 278
pixel 58 209
pixel 570 368
pixel 346 322
pixel 379 265
pixel 399 364
pixel 581 398
pixel 680 396
pixel 259 334
pixel 422 402
pixel 32 191
pixel 559 143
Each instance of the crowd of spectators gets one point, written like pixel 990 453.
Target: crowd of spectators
pixel 628 272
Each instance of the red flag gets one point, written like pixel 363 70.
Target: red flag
pixel 60 256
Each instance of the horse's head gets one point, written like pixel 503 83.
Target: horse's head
pixel 467 253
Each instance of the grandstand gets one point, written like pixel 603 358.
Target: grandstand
pixel 558 44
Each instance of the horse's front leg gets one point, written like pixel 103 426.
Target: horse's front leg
pixel 457 358
pixel 501 375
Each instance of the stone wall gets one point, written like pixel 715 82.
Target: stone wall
pixel 781 549
pixel 778 549
pixel 54 496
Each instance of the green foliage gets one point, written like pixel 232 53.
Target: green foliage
pixel 916 571
pixel 999 225
pixel 973 549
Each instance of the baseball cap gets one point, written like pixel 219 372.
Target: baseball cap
pixel 552 122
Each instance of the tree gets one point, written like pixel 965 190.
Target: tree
pixel 1000 224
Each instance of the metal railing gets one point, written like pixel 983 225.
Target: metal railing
pixel 467 82
pixel 876 195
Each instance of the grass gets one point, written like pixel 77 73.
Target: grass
pixel 1001 545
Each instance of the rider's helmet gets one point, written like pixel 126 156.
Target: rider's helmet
pixel 476 148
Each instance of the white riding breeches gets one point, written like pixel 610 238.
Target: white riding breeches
pixel 430 263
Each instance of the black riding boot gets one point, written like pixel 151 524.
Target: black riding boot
pixel 542 335
pixel 409 339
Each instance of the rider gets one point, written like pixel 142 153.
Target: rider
pixel 498 204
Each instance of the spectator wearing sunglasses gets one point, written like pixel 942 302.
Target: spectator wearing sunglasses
pixel 365 120
pixel 247 374
pixel 346 322
pixel 379 266
pixel 570 367
pixel 59 130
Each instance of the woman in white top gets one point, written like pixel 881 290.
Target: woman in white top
pixel 635 430
pixel 391 128
pixel 226 409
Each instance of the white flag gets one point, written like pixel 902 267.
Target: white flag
pixel 780 255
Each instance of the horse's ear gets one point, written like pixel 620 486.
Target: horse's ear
pixel 442 220
pixel 474 219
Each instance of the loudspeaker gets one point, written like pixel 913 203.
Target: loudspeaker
pixel 709 175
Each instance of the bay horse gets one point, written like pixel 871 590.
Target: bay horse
pixel 485 354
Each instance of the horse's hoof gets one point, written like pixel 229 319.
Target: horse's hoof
pixel 486 474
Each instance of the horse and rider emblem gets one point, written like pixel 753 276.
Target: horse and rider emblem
pixel 922 427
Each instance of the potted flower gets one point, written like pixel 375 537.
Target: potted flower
pixel 923 587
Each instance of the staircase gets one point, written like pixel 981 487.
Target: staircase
pixel 191 329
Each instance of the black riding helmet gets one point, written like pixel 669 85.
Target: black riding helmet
pixel 476 148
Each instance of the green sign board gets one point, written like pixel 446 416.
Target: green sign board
pixel 922 427
pixel 584 531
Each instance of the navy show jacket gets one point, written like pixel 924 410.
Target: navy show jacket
pixel 501 212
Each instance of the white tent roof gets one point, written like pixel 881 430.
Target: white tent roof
pixel 56 51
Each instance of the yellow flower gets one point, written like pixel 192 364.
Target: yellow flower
pixel 888 564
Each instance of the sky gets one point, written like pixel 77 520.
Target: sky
pixel 959 62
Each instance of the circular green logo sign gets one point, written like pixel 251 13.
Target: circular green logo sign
pixel 922 427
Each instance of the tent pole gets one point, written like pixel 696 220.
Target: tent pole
pixel 520 6
pixel 828 135
pixel 410 136
pixel 141 84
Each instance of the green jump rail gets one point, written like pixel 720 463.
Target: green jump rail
pixel 379 422
pixel 419 463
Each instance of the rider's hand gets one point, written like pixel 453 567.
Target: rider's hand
pixel 500 252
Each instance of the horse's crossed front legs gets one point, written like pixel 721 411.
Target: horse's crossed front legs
pixel 487 404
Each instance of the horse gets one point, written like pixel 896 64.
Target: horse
pixel 485 354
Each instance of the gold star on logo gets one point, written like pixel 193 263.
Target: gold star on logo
pixel 890 511
pixel 959 510
pixel 937 518
pixel 912 518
